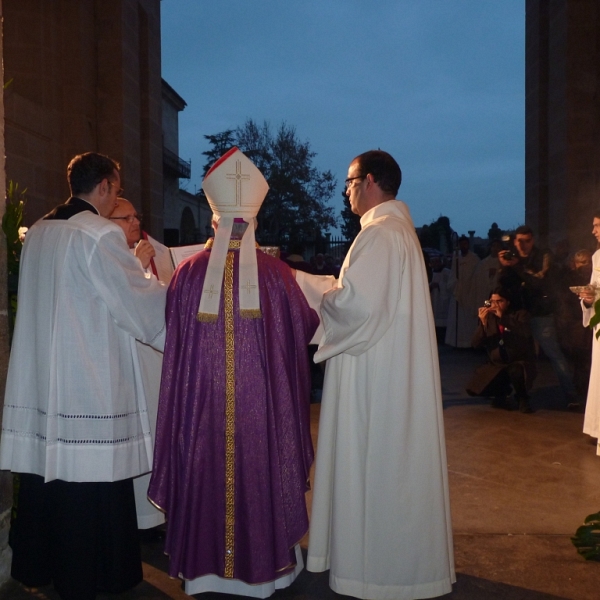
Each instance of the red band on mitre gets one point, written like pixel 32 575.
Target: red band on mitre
pixel 221 160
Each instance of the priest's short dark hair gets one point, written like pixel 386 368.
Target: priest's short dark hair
pixel 384 169
pixel 86 171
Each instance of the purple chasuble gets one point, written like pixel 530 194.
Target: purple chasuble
pixel 233 447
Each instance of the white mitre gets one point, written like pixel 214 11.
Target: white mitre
pixel 234 188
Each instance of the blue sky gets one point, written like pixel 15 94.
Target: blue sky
pixel 439 84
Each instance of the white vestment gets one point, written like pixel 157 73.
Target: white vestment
pixel 380 510
pixel 591 423
pixel 463 304
pixel 214 583
pixel 74 404
pixel 151 365
pixel 440 296
pixel 485 277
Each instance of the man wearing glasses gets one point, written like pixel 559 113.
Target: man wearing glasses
pixel 381 484
pixel 75 426
pixel 156 260
pixel 153 255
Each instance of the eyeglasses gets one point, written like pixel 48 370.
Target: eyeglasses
pixel 349 181
pixel 497 302
pixel 129 218
pixel 119 191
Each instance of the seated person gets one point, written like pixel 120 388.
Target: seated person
pixel 506 336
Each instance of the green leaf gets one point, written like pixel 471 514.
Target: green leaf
pixel 587 538
pixel 595 320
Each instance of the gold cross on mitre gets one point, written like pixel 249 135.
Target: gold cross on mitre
pixel 238 176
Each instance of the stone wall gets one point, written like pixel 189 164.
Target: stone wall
pixel 5 478
pixel 86 76
pixel 562 130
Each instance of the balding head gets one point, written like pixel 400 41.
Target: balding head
pixel 126 217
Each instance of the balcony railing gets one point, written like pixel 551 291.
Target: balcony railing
pixel 176 166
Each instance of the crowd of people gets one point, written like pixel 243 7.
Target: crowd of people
pixel 517 304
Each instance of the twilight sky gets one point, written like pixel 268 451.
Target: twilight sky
pixel 439 84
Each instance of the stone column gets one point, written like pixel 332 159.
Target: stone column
pixel 562 124
pixel 5 477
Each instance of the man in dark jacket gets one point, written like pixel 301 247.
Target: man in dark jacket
pixel 529 276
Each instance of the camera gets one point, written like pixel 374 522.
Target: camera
pixel 487 303
pixel 507 246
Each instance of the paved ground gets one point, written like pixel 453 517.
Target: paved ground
pixel 520 485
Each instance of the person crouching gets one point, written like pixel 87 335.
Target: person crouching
pixel 507 338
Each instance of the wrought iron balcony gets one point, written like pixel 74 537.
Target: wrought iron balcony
pixel 176 166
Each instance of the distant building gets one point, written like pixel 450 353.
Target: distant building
pixel 187 216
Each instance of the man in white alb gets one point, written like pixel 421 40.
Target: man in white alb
pixel 380 511
pixel 591 423
pixel 462 311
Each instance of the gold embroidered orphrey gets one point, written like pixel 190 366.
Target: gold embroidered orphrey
pixel 229 420
pixel 238 176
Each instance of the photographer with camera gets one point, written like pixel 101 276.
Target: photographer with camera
pixel 506 336
pixel 529 273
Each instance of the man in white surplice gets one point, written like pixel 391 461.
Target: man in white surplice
pixel 156 261
pixel 380 511
pixel 75 425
